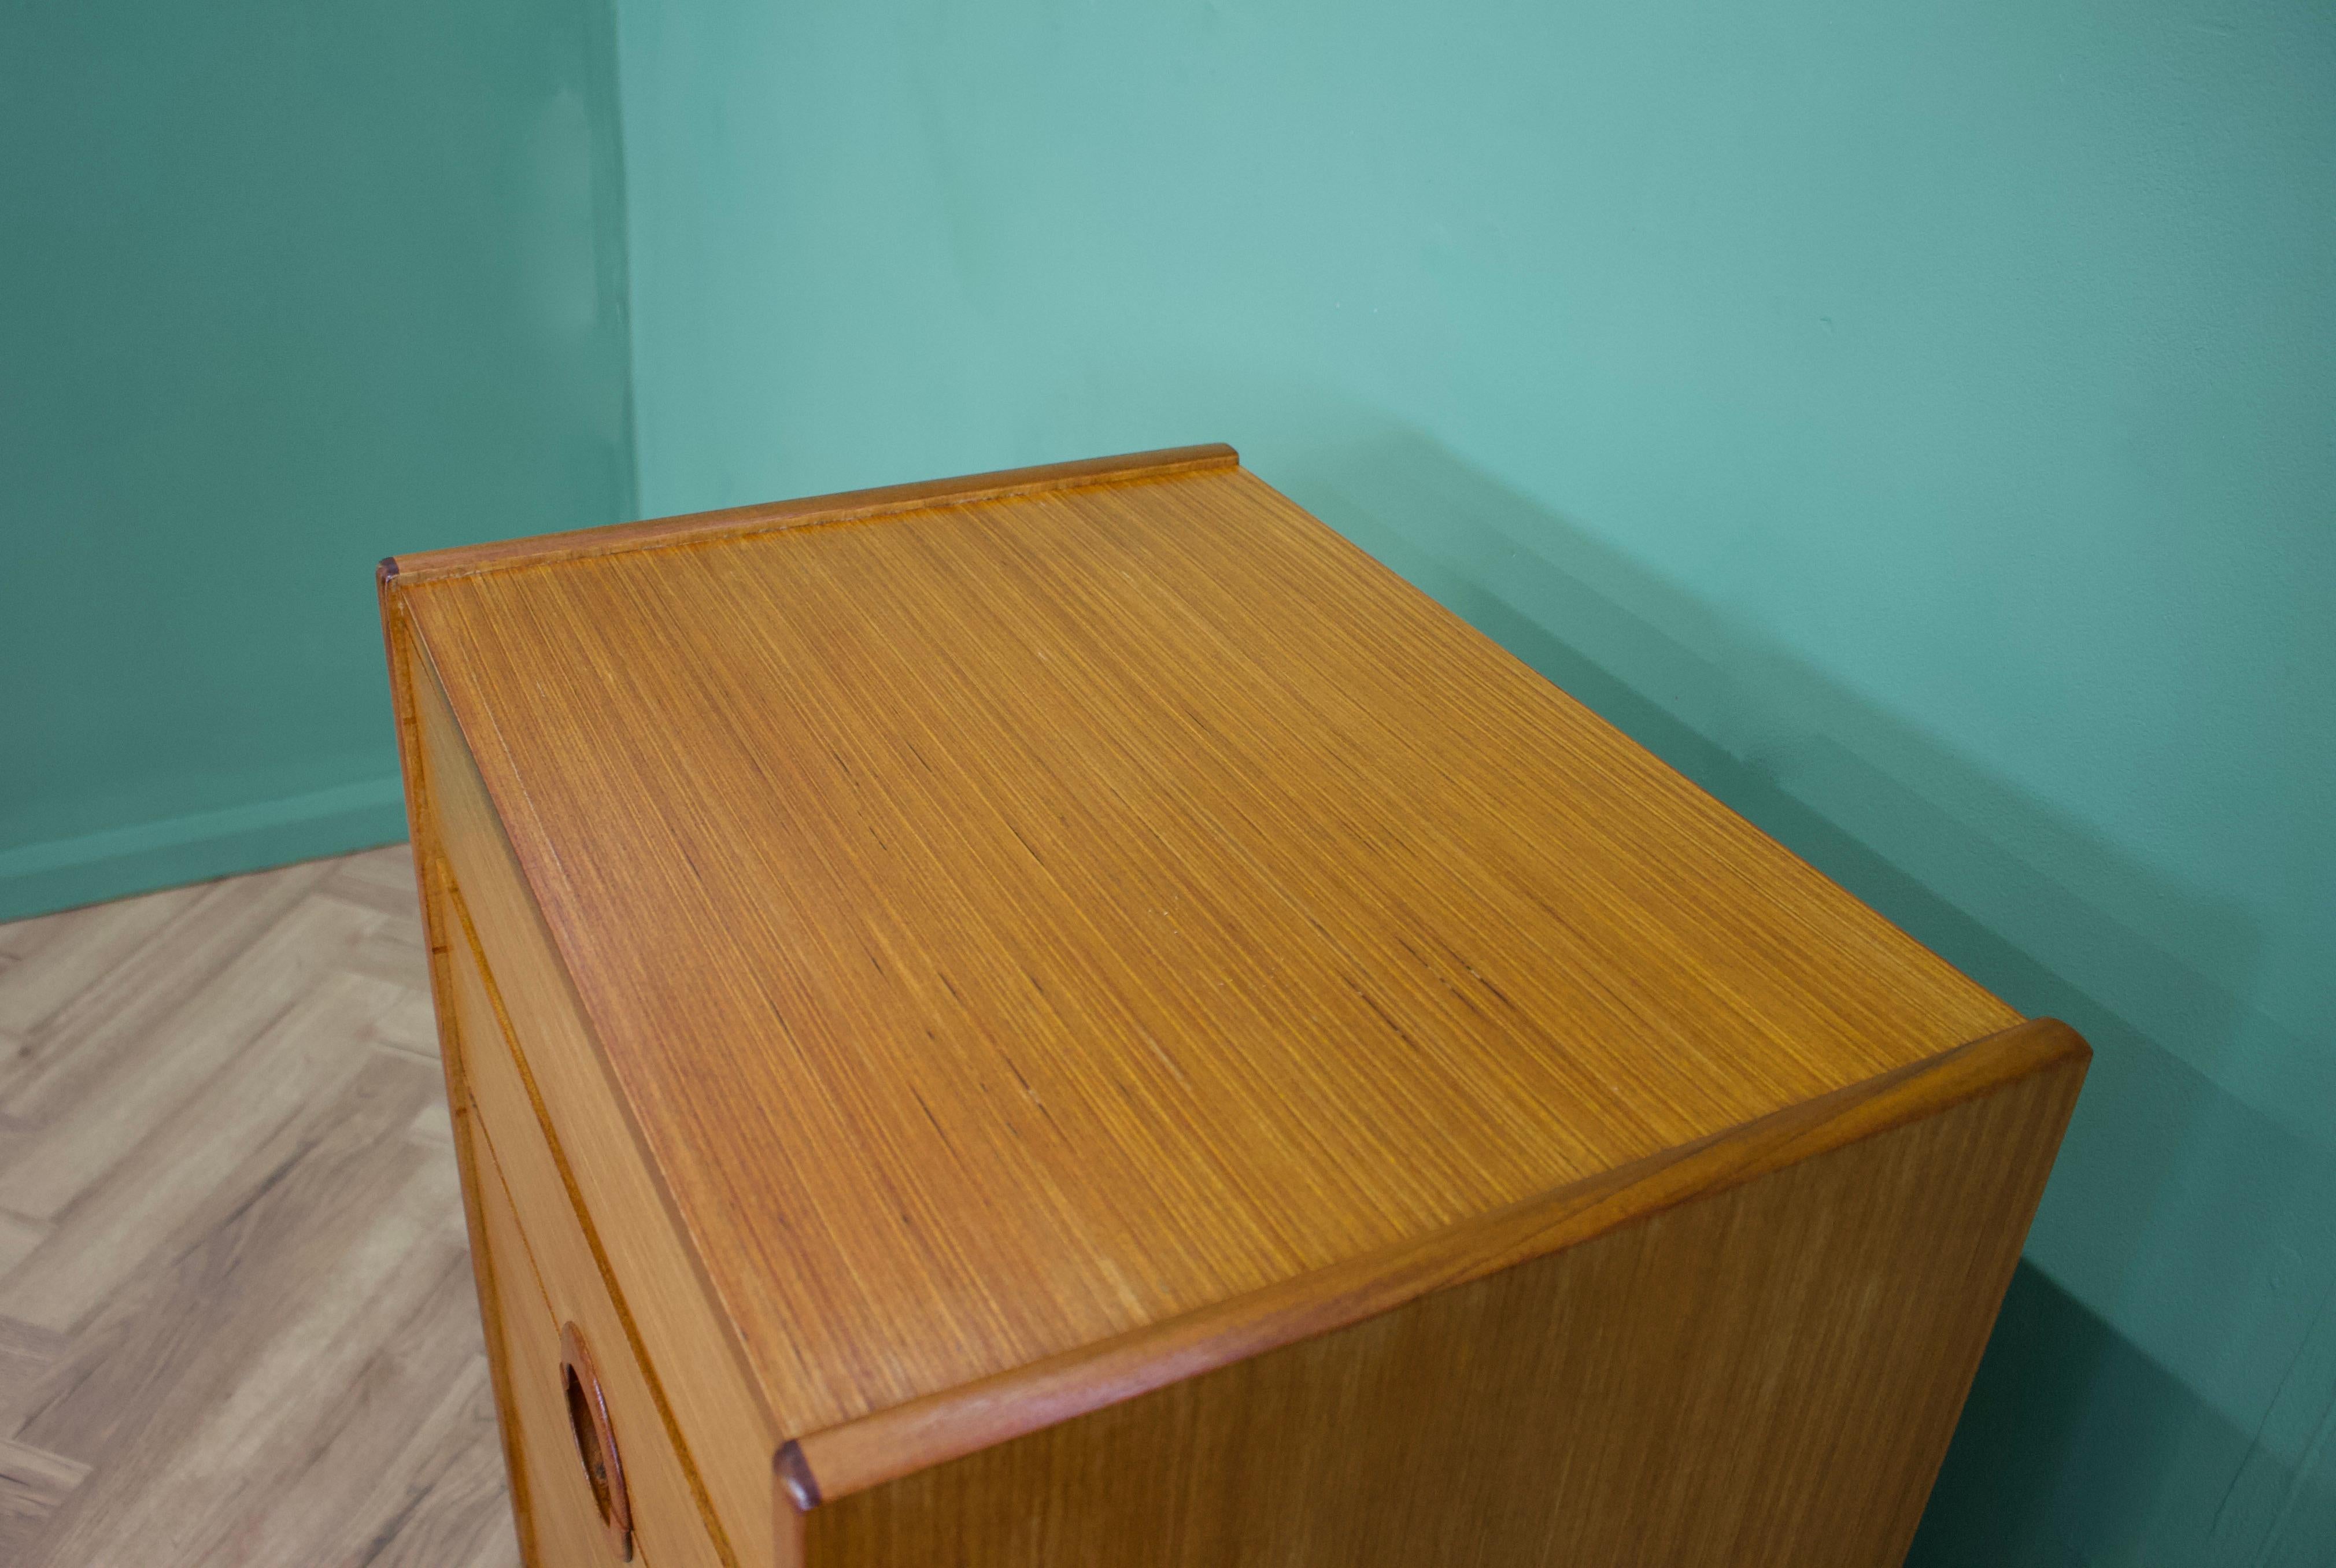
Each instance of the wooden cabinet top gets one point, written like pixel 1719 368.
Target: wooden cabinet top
pixel 1077 907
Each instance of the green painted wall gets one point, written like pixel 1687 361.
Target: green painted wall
pixel 1917 422
pixel 283 287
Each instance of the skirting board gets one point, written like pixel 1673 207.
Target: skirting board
pixel 64 874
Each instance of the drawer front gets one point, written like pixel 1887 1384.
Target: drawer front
pixel 559 1519
pixel 669 1515
pixel 717 1415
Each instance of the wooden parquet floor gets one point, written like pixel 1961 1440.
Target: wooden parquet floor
pixel 237 1323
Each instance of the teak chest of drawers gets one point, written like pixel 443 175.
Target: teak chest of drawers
pixel 1070 1017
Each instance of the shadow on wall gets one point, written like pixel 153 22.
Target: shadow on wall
pixel 2070 1434
pixel 2162 1385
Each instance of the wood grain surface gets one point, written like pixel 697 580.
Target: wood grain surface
pixel 1011 923
pixel 939 1428
pixel 556 1280
pixel 538 1065
pixel 1765 1377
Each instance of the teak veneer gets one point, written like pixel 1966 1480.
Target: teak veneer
pixel 1070 1017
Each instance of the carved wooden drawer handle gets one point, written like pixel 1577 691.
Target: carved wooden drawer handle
pixel 595 1440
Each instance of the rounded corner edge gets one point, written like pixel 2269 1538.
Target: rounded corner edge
pixel 795 1476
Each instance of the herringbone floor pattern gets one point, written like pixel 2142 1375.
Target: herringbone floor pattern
pixel 237 1323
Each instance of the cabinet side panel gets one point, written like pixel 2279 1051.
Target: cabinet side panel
pixel 430 871
pixel 1767 1376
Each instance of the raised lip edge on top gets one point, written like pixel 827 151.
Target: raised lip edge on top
pixel 693 528
pixel 950 1423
